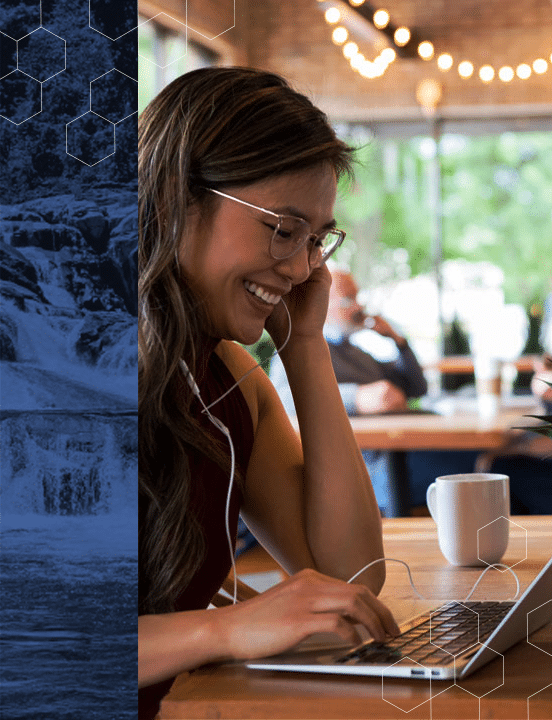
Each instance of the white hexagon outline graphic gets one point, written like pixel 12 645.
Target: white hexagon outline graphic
pixel 488 691
pixel 147 59
pixel 16 54
pixel 30 116
pixel 533 695
pixel 527 618
pixel 64 54
pixel 207 37
pixel 397 706
pixel 97 113
pixel 453 602
pixel 79 159
pixel 493 564
pixel 103 34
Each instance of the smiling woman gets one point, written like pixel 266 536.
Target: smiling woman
pixel 238 178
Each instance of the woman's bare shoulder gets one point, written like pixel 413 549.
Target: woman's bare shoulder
pixel 239 362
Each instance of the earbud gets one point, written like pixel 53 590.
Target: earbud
pixel 190 379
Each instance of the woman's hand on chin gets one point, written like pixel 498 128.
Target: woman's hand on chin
pixel 307 304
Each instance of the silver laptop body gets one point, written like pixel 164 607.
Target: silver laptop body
pixel 511 621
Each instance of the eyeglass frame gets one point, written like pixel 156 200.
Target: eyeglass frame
pixel 310 236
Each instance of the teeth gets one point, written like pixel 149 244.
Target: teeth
pixel 261 293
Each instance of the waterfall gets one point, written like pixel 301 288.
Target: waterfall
pixel 62 463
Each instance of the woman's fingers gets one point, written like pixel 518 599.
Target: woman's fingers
pixel 289 612
pixel 359 605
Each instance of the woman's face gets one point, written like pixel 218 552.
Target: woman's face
pixel 225 255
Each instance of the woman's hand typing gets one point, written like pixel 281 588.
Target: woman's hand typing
pixel 306 603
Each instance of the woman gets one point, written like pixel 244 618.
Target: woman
pixel 238 180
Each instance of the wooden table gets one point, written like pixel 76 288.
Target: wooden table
pixel 232 691
pixel 462 429
pixel 463 364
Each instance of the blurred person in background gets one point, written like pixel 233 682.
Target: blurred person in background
pixel 367 385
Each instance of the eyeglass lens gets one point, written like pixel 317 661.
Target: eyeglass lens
pixel 292 233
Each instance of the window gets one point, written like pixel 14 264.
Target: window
pixel 164 54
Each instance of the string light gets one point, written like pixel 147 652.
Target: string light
pixel 506 73
pixel 388 54
pixel 381 19
pixel 350 49
pixel 425 50
pixel 357 61
pixel 465 69
pixel 340 35
pixel 523 71
pixel 486 73
pixel 332 15
pixel 444 61
pixel 402 36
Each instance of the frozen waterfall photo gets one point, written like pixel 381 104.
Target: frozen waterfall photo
pixel 68 372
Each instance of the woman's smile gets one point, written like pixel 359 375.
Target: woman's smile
pixel 226 254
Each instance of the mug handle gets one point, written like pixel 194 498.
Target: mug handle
pixel 430 500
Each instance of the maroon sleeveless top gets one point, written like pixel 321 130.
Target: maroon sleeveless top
pixel 209 502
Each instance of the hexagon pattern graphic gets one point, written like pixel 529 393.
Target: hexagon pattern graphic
pixel 173 21
pixel 537 617
pixel 8 55
pixel 90 138
pixel 543 697
pixel 111 25
pixel 490 533
pixel 42 54
pixel 114 96
pixel 491 685
pixel 185 27
pixel 407 704
pixel 35 54
pixel 20 97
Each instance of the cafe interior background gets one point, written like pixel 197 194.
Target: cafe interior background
pixel 449 219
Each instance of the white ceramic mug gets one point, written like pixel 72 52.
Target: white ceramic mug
pixel 471 511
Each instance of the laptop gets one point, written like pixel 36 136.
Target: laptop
pixel 450 641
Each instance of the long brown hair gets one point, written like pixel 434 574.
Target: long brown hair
pixel 209 128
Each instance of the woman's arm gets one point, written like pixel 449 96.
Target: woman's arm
pixel 269 623
pixel 310 503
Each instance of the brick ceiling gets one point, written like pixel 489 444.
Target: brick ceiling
pixel 291 36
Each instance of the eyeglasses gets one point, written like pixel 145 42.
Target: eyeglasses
pixel 290 234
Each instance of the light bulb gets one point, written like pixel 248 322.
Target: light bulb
pixel 357 60
pixel 444 61
pixel 523 71
pixel 332 15
pixel 465 69
pixel 356 3
pixel 486 73
pixel 367 69
pixel 339 35
pixel 350 49
pixel 402 36
pixel 381 18
pixel 425 50
pixel 540 66
pixel 506 73
pixel 388 54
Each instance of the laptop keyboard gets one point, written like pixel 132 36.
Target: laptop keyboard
pixel 449 631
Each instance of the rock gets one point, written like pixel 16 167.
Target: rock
pixel 16 269
pixel 8 339
pixel 91 221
